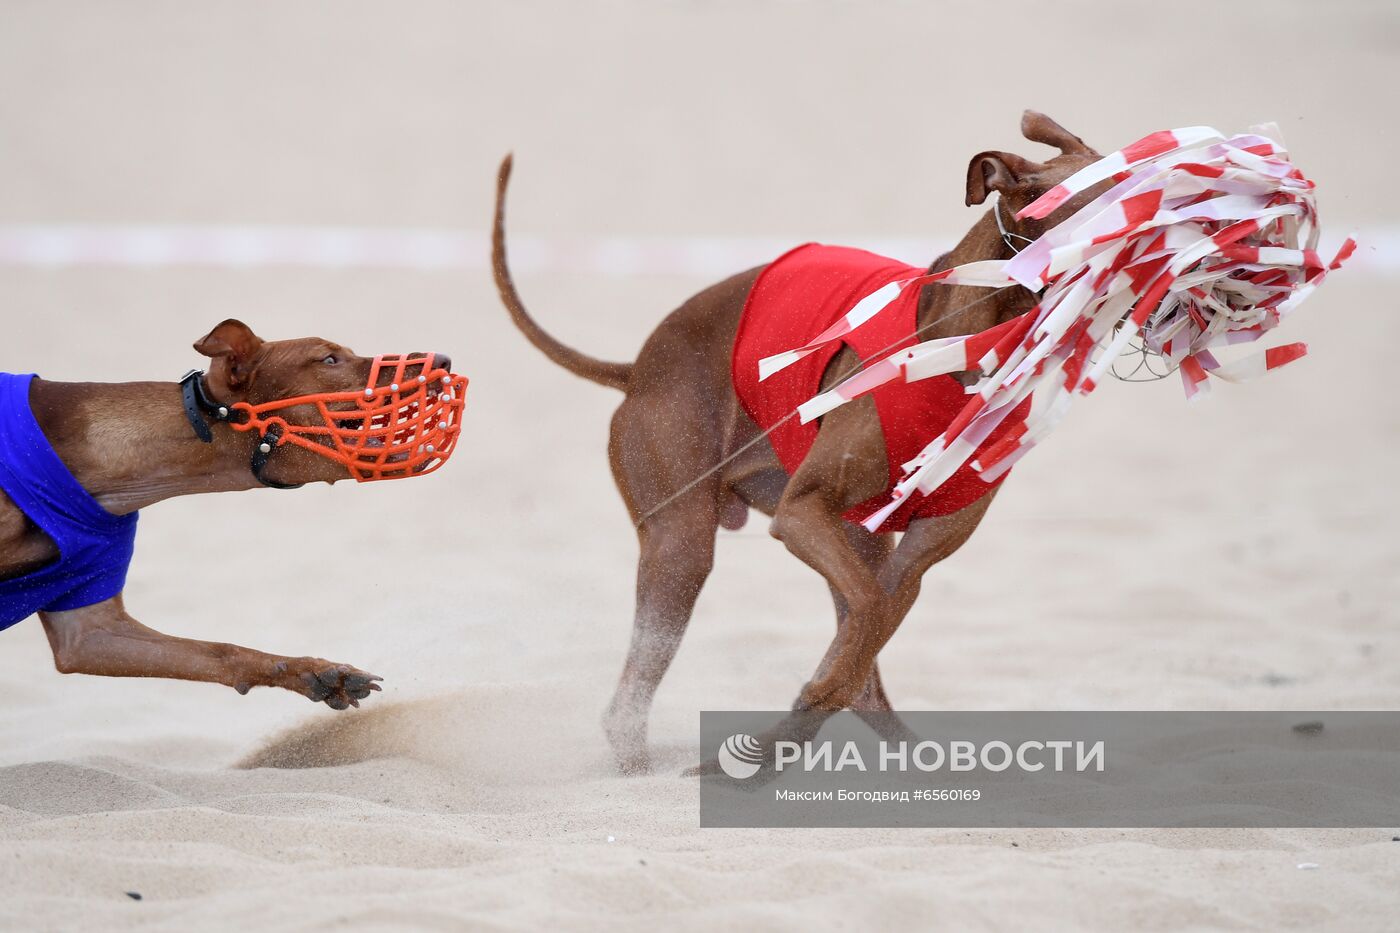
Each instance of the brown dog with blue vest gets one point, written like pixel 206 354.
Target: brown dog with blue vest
pixel 77 460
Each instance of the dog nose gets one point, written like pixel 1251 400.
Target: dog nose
pixel 442 361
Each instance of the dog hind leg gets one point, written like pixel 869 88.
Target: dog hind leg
pixel 677 546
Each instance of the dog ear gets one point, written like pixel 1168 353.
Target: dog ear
pixel 232 346
pixel 1039 128
pixel 996 171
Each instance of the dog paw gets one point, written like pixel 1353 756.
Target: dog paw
pixel 337 685
pixel 713 770
pixel 704 769
pixel 824 696
pixel 627 734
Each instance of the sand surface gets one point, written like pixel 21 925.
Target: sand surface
pixel 1236 554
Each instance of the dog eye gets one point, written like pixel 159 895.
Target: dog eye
pixel 330 361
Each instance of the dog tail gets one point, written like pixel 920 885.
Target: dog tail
pixel 602 372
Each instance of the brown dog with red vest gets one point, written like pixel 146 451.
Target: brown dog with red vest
pixel 682 417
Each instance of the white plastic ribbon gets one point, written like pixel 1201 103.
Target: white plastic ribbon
pixel 1205 242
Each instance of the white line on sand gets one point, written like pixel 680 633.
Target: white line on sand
pixel 243 247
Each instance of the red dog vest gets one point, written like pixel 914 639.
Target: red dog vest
pixel 801 294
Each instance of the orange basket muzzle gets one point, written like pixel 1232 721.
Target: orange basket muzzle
pixel 405 422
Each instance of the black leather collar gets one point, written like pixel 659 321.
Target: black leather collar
pixel 199 406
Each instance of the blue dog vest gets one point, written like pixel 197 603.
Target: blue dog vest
pixel 94 546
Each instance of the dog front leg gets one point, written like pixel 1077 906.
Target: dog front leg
pixel 845 465
pixel 928 541
pixel 875 550
pixel 104 640
pixel 813 532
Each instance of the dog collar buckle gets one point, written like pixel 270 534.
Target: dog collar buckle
pixel 197 404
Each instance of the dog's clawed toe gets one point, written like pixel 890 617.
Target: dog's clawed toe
pixel 339 686
pixel 360 685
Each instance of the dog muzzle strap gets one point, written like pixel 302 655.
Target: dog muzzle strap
pixel 405 422
pixel 198 406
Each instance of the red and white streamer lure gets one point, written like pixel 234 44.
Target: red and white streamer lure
pixel 1203 242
